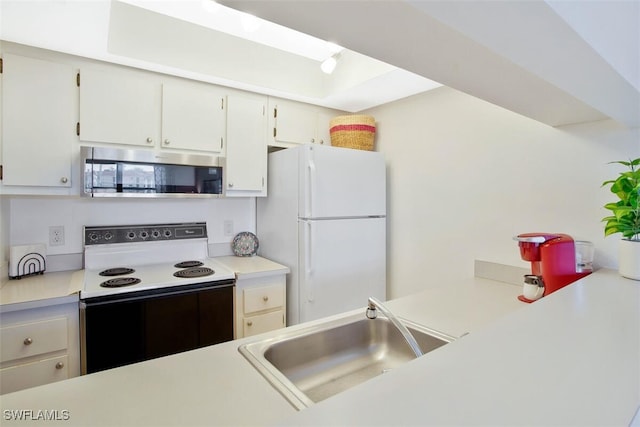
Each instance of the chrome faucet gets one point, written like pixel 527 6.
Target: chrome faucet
pixel 375 305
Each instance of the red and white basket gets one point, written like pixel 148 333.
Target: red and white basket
pixel 353 131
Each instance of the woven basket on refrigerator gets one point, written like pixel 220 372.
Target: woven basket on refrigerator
pixel 354 131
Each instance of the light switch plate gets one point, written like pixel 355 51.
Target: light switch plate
pixel 228 228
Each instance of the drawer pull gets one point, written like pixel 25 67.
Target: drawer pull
pixel 249 323
pixel 27 341
pixel 59 365
pixel 265 298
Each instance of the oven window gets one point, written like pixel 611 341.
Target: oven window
pixel 133 177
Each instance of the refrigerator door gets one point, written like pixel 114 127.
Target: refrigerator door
pixel 342 263
pixel 340 182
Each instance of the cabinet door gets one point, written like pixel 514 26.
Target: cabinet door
pixel 263 323
pixel 293 122
pixel 246 166
pixel 193 117
pixel 38 124
pixel 33 374
pixel 323 136
pixel 119 108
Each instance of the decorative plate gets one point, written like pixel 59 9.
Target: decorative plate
pixel 245 244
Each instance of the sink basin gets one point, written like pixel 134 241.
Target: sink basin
pixel 311 364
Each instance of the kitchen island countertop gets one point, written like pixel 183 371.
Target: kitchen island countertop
pixel 555 351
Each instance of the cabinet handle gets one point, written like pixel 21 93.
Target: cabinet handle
pixel 231 184
pixel 249 323
pixel 167 142
pixel 59 365
pixel 313 140
pixel 265 298
pixel 64 180
pixel 322 141
pixel 27 341
pixel 149 140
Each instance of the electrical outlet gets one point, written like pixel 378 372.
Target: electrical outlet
pixel 228 228
pixel 56 235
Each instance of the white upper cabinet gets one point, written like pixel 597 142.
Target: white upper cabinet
pixel 38 122
pixel 293 122
pixel 193 117
pixel 246 167
pixel 119 108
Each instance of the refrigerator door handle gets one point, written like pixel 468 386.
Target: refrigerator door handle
pixel 308 257
pixel 311 166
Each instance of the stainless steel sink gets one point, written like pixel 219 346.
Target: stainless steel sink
pixel 311 364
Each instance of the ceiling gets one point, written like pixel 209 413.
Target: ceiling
pixel 558 62
pixel 202 40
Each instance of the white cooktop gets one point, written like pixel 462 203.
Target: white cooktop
pixel 152 276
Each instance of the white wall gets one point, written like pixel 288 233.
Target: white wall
pixel 31 217
pixel 465 176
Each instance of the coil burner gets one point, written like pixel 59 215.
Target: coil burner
pixel 188 264
pixel 119 282
pixel 118 271
pixel 194 272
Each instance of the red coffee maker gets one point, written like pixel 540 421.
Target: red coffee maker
pixel 553 261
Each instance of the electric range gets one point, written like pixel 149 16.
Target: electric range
pixel 151 291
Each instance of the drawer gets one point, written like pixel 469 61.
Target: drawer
pixel 32 339
pixel 263 298
pixel 263 323
pixel 33 374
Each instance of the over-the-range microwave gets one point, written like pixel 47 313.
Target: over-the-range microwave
pixel 112 172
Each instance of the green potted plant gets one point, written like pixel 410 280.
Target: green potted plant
pixel 625 218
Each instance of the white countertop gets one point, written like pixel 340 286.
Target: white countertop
pixel 574 354
pixel 572 358
pixel 63 287
pixel 40 290
pixel 253 266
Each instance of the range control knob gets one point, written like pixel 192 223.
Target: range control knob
pixel 130 235
pixel 167 233
pixel 93 237
pixel 155 234
pixel 108 235
pixel 144 234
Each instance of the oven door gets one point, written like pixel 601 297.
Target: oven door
pixel 121 329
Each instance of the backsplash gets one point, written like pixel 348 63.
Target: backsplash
pixel 30 219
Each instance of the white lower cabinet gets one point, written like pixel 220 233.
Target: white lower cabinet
pixel 38 346
pixel 260 305
pixel 34 374
pixel 260 323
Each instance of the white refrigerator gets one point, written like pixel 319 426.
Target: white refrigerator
pixel 325 218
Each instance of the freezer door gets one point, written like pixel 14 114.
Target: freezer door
pixel 342 263
pixel 340 182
